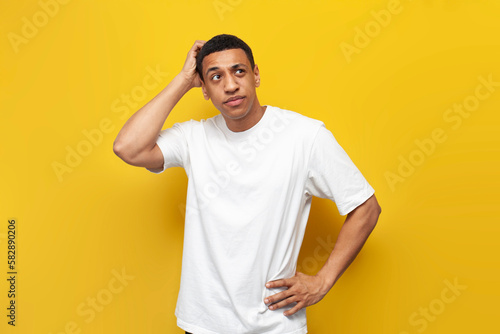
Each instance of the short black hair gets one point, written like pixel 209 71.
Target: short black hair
pixel 220 43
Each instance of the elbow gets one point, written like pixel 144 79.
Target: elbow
pixel 376 211
pixel 374 206
pixel 122 152
pixel 118 149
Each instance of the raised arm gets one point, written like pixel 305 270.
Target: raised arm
pixel 136 142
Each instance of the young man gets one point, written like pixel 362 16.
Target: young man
pixel 252 172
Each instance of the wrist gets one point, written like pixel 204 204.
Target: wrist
pixel 184 81
pixel 327 281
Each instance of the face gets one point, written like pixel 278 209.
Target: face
pixel 228 74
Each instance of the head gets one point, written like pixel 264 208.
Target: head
pixel 226 68
pixel 220 43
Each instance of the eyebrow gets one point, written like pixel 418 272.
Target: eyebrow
pixel 215 68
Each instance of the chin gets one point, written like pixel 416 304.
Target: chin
pixel 233 113
pixel 236 114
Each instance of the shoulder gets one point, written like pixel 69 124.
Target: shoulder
pixel 298 121
pixel 196 125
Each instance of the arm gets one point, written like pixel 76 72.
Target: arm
pixel 136 142
pixel 308 290
pixel 354 232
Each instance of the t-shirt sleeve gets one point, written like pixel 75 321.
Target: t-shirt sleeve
pixel 331 174
pixel 173 145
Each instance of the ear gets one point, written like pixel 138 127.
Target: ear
pixel 257 75
pixel 204 90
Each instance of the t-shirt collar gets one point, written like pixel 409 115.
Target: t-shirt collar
pixel 244 134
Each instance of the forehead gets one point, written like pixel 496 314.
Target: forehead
pixel 225 58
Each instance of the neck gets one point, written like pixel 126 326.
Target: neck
pixel 249 120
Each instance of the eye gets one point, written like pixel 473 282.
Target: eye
pixel 217 75
pixel 240 69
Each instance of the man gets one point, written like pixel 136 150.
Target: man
pixel 252 172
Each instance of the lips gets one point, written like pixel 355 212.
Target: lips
pixel 235 100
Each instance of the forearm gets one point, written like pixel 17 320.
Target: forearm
pixel 352 236
pixel 141 130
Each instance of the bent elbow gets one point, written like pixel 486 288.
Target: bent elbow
pixel 122 152
pixel 118 149
pixel 377 210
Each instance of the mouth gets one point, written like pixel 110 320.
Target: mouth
pixel 235 101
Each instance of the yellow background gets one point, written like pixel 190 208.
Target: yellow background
pixel 439 224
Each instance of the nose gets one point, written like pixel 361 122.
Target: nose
pixel 230 84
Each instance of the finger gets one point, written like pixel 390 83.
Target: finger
pixel 278 296
pixel 278 283
pixel 196 47
pixel 282 303
pixel 198 44
pixel 293 310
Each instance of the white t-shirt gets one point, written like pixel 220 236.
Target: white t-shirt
pixel 248 201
